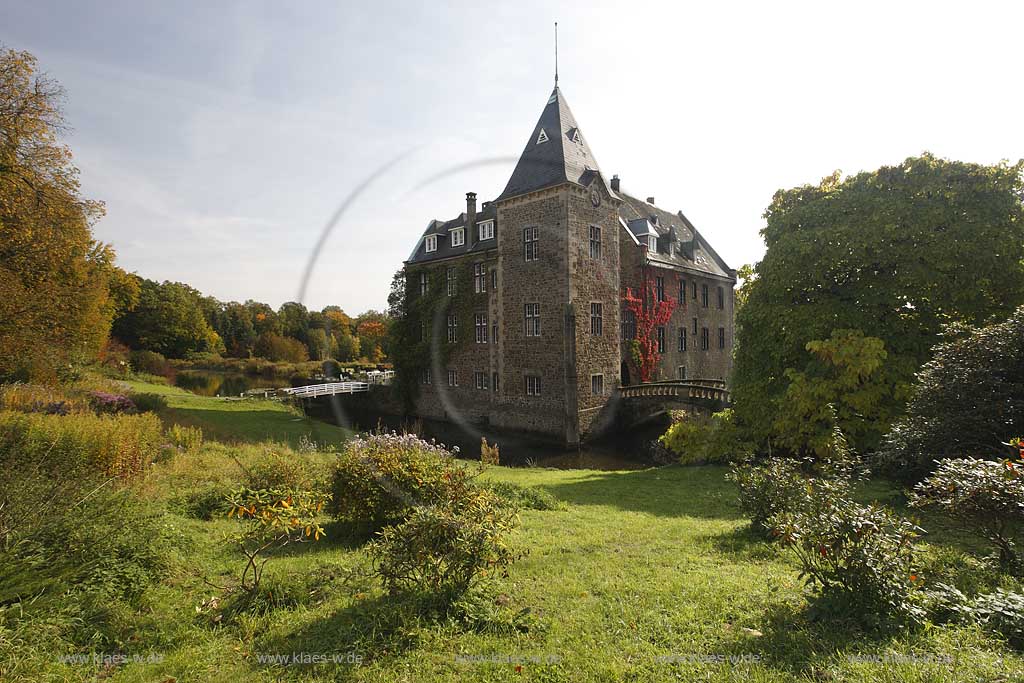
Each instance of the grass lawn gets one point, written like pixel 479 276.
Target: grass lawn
pixel 241 420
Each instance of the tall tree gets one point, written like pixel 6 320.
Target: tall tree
pixel 55 279
pixel 893 254
pixel 168 319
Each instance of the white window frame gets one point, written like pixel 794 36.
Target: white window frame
pixel 480 325
pixel 453 328
pixel 425 376
pixel 652 243
pixel 481 381
pixel 485 229
pixel 531 243
pixel 480 278
pixel 431 243
pixel 531 316
pixel 424 283
pixel 532 385
pixel 453 378
pixel 458 237
pixel 597 385
pixel 595 242
pixel 451 278
pixel 596 318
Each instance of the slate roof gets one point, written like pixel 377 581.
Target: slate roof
pixel 689 250
pixel 565 156
pixel 444 243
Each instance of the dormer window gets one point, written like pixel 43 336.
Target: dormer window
pixel 431 243
pixel 542 137
pixel 486 230
pixel 652 244
pixel 458 237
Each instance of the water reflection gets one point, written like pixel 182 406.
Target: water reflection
pixel 208 383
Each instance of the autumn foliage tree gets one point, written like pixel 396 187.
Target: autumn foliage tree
pixel 650 313
pixel 59 288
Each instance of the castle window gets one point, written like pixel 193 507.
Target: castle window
pixel 494 279
pixel 695 293
pixel 704 295
pixel 682 292
pixel 480 380
pixel 595 242
pixel 450 279
pixel 532 316
pixel 628 325
pixel 721 298
pixel 596 319
pixel 494 381
pixel 597 385
pixel 486 230
pixel 661 339
pixel 431 243
pixel 458 237
pixel 531 238
pixel 479 278
pixel 681 372
pixel 652 244
pixel 705 339
pixel 452 328
pixel 424 283
pixel 659 288
pixel 425 376
pixel 532 385
pixel 480 323
pixel 721 337
pixel 494 332
pixel 453 378
pixel 682 338
pixel 694 327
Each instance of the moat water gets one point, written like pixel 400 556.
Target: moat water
pixel 618 451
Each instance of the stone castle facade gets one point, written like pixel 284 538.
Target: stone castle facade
pixel 530 332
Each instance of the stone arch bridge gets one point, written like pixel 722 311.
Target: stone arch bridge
pixel 640 402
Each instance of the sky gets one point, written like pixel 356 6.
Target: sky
pixel 223 136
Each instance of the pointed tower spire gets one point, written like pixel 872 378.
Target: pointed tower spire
pixel 556 54
pixel 556 152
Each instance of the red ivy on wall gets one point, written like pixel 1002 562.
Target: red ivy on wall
pixel 650 315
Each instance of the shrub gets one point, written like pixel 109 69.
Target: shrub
pixel 149 403
pixel 695 439
pixel 524 497
pixel 446 548
pixel 206 502
pixel 769 489
pixel 185 439
pixel 276 471
pixel 111 404
pixel 984 496
pixel 489 455
pixel 272 519
pixel 861 559
pixel 150 363
pixel 379 478
pixel 38 398
pixel 117 445
pixel 1001 612
pixel 965 400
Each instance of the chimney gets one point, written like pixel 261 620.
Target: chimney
pixel 470 219
pixel 650 200
pixel 615 183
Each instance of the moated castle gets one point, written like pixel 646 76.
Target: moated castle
pixel 537 337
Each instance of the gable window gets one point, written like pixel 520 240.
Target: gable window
pixel 705 339
pixel 480 380
pixel 595 242
pixel 681 372
pixel 458 237
pixel 479 278
pixel 531 238
pixel 532 317
pixel 452 328
pixel 652 244
pixel 596 319
pixel 424 284
pixel 661 339
pixel 721 337
pixel 431 243
pixel 659 288
pixel 480 325
pixel 450 279
pixel 628 325
pixel 486 230
pixel 704 295
pixel 532 385
pixel 453 378
pixel 721 298
pixel 597 385
pixel 682 338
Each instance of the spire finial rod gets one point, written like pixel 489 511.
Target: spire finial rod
pixel 556 54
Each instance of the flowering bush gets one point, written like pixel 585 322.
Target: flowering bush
pixel 111 404
pixel 380 478
pixel 984 496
